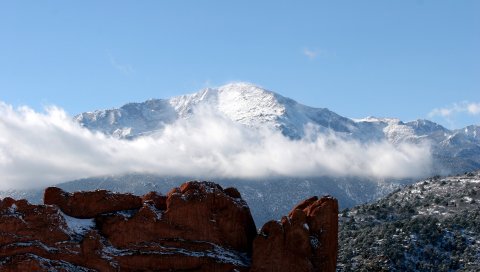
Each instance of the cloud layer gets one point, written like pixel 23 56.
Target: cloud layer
pixel 39 149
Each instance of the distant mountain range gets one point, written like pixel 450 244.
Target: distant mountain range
pixel 453 151
pixel 431 225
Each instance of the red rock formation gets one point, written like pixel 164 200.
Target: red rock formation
pixel 21 222
pixel 197 227
pixel 305 240
pixel 90 204
pixel 199 217
pixel 39 238
pixel 159 201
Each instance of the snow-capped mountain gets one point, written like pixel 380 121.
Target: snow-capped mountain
pixel 453 150
pixel 244 103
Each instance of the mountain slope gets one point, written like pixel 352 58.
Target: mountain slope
pixel 454 151
pixel 244 103
pixel 431 225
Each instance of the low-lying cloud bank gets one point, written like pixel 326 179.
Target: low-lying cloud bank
pixel 39 149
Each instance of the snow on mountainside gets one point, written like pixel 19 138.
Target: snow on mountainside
pixel 133 119
pixel 244 103
pixel 471 131
pixel 453 151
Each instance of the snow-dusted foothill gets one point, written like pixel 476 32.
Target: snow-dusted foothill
pixel 432 225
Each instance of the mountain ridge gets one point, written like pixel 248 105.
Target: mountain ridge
pixel 256 107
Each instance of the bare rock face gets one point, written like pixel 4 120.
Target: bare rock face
pixel 198 217
pixel 90 204
pixel 305 240
pixel 42 238
pixel 21 222
pixel 197 227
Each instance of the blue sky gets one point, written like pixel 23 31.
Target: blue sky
pixel 405 59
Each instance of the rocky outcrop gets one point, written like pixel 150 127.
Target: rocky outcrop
pixel 90 204
pixel 195 211
pixel 305 240
pixel 197 227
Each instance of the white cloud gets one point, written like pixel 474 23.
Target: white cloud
pixel 470 108
pixel 473 108
pixel 125 69
pixel 317 53
pixel 311 54
pixel 39 149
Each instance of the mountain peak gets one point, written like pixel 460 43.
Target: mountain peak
pixel 255 107
pixel 246 90
pixel 240 85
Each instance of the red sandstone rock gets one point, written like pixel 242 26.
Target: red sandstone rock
pixel 197 227
pixel 306 240
pixel 90 204
pixel 38 238
pixel 212 213
pixel 159 201
pixel 322 218
pixel 199 217
pixel 21 222
pixel 30 262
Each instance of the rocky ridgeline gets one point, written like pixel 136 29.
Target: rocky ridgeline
pixel 197 227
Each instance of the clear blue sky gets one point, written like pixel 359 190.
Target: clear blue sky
pixel 358 58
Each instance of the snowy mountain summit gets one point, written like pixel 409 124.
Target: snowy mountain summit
pixel 253 106
pixel 244 103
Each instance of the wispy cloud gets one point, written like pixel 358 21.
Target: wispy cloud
pixel 317 53
pixel 39 149
pixel 125 69
pixel 471 108
pixel 311 54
